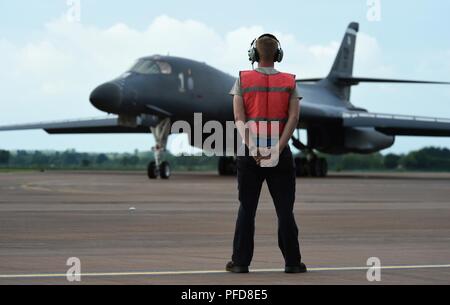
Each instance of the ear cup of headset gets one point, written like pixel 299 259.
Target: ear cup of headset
pixel 253 55
pixel 280 55
pixel 252 52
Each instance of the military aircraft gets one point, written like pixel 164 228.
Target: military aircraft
pixel 158 90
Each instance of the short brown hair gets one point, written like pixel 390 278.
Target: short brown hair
pixel 267 48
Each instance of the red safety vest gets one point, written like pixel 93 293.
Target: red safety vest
pixel 266 101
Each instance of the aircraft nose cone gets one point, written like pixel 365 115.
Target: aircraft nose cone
pixel 106 97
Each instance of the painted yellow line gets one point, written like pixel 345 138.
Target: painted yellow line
pixel 163 273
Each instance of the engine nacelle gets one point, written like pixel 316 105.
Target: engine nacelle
pixel 348 140
pixel 366 140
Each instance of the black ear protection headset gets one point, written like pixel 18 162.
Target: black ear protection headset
pixel 253 55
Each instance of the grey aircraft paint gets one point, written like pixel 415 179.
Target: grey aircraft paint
pixel 159 87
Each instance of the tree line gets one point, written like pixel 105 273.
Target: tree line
pixel 71 159
pixel 426 159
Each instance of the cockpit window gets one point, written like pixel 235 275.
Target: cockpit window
pixel 164 67
pixel 148 66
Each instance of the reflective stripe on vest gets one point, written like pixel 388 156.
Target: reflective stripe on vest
pixel 266 89
pixel 266 101
pixel 266 120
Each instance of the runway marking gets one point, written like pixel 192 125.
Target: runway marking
pixel 32 187
pixel 164 273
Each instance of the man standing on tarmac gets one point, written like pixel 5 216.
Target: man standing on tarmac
pixel 266 112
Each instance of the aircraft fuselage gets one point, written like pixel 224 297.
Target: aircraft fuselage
pixel 164 86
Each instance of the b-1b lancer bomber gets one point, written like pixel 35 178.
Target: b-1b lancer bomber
pixel 159 90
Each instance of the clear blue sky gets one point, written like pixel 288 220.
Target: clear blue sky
pixel 49 69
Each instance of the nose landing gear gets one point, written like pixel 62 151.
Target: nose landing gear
pixel 163 170
pixel 160 168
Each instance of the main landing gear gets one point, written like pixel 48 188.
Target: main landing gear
pixel 159 168
pixel 309 164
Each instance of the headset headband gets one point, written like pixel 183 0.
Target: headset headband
pixel 268 35
pixel 253 52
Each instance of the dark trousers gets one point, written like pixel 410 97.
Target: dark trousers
pixel 281 184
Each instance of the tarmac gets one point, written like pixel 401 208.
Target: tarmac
pixel 126 229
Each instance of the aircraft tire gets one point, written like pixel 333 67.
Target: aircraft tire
pixel 222 166
pixel 300 167
pixel 164 170
pixel 323 167
pixel 314 169
pixel 232 167
pixel 152 170
pixel 226 166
